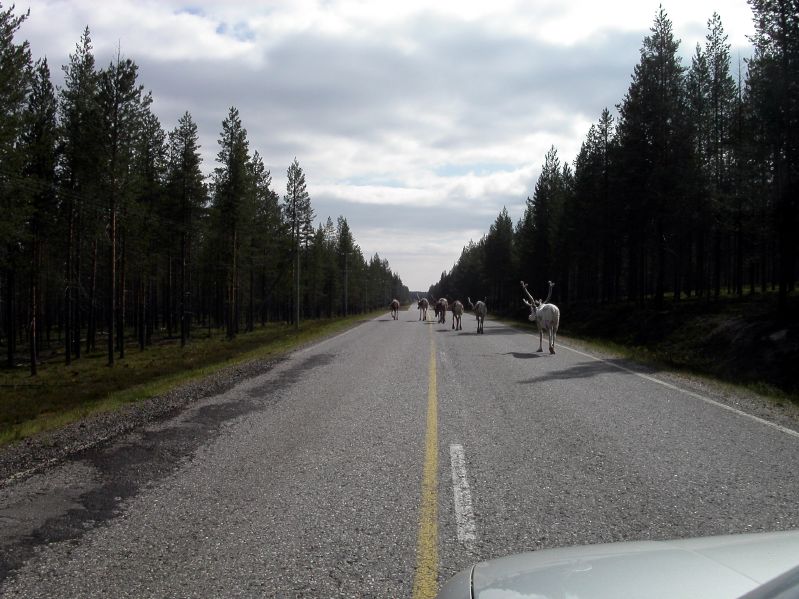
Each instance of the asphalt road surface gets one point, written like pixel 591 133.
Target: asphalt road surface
pixel 380 462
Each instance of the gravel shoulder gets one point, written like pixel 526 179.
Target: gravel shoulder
pixel 24 458
pixel 781 412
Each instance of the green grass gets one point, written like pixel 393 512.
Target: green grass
pixel 62 394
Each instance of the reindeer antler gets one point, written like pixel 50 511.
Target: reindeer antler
pixel 551 285
pixel 524 286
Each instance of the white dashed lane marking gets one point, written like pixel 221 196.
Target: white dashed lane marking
pixel 464 515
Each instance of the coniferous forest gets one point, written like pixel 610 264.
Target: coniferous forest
pixel 112 237
pixel 689 189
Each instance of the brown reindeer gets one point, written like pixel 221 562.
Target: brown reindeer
pixel 480 311
pixel 457 312
pixel 423 305
pixel 441 310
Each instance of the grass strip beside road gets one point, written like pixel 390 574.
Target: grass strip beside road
pixel 662 359
pixel 63 394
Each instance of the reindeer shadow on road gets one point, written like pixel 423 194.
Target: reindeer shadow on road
pixel 501 330
pixel 582 370
pixel 524 356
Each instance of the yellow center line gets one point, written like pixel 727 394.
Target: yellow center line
pixel 425 584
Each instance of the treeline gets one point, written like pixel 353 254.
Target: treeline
pixel 110 232
pixel 691 190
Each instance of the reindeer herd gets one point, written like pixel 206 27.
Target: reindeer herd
pixel 545 315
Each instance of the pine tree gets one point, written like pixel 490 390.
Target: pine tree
pixel 298 214
pixel 703 216
pixel 720 158
pixel 79 162
pixel 582 217
pixel 656 156
pixel 15 67
pixel 231 192
pixel 546 207
pixel 605 208
pixel 119 103
pixel 187 194
pixel 146 229
pixel 271 242
pixel 775 81
pixel 499 261
pixel 39 142
pixel 345 244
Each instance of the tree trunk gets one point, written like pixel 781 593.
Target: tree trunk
pixel 112 291
pixel 76 320
pixel 168 297
pixel 122 303
pixel 11 316
pixel 68 289
pixel 717 265
pixel 34 308
pixel 183 323
pixel 91 330
pixel 151 313
pixel 142 311
pixel 297 285
pixel 251 314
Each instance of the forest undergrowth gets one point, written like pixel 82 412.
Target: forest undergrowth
pixel 61 394
pixel 739 340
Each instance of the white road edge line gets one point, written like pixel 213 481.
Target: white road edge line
pixel 707 400
pixel 464 516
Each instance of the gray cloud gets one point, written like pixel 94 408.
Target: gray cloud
pixel 454 113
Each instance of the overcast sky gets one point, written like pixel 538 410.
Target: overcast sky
pixel 417 121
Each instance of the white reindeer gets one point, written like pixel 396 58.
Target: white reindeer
pixel 545 315
pixel 423 305
pixel 480 310
pixel 395 305
pixel 441 310
pixel 457 312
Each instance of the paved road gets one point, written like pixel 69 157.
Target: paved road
pixel 310 480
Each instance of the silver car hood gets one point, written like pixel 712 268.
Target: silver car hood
pixel 724 567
